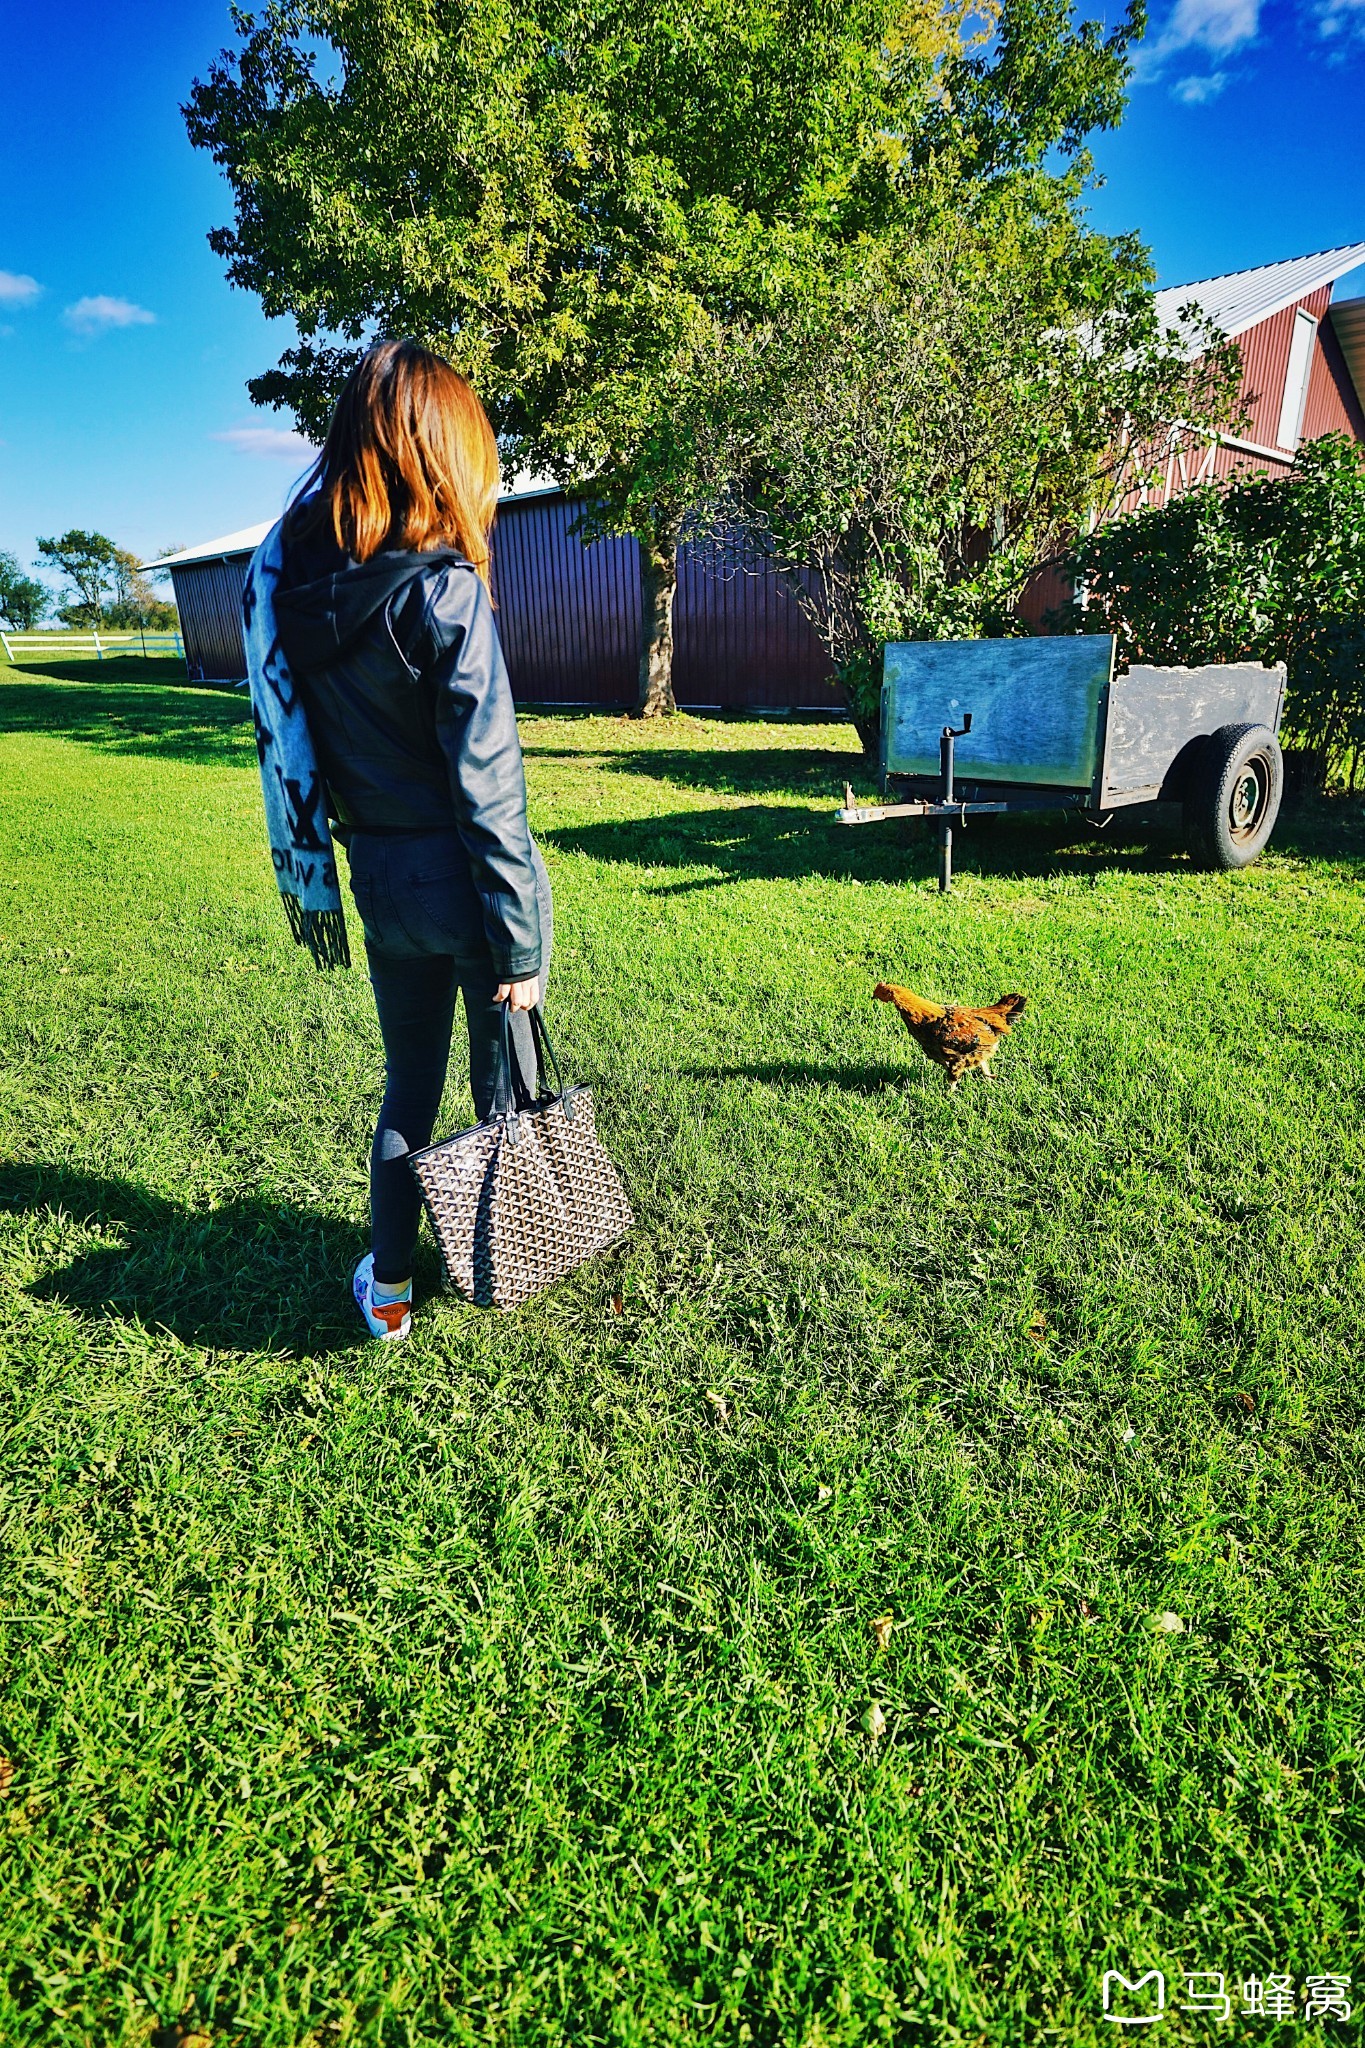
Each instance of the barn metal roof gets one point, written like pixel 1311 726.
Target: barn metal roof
pixel 249 538
pixel 1243 298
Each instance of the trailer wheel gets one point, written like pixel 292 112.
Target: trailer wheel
pixel 1234 796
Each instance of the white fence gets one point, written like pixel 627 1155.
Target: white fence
pixel 132 641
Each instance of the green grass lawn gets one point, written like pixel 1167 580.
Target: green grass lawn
pixel 521 1685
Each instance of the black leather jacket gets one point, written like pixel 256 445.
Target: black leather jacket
pixel 410 711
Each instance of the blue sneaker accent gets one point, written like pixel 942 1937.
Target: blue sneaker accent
pixel 385 1320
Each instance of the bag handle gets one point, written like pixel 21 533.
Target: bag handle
pixel 508 1084
pixel 540 1032
pixel 518 1096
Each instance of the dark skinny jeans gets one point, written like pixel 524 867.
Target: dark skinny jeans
pixel 425 942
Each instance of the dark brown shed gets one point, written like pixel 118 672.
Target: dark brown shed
pixel 569 615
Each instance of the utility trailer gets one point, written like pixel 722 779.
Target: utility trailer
pixel 975 728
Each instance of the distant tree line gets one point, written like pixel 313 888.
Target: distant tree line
pixel 104 586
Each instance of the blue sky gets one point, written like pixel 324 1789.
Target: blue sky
pixel 124 354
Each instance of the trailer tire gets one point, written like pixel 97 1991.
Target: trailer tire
pixel 1234 796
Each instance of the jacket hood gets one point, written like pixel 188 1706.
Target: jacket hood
pixel 327 600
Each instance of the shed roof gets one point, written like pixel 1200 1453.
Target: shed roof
pixel 244 542
pixel 248 538
pixel 1243 298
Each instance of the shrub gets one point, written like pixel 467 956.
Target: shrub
pixel 153 614
pixel 1268 568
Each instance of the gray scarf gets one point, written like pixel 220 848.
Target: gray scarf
pixel 291 781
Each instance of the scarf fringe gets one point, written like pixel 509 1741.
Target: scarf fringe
pixel 322 931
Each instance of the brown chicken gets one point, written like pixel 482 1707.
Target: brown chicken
pixel 957 1039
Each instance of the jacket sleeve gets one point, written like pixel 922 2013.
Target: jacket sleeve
pixel 477 729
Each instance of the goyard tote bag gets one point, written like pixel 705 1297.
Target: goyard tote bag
pixel 525 1197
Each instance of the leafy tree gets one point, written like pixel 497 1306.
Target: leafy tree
pixel 23 600
pixel 157 615
pixel 586 205
pixel 107 584
pixel 88 562
pixel 1268 568
pixel 135 603
pixel 945 422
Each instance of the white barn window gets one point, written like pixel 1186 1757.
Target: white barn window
pixel 1296 379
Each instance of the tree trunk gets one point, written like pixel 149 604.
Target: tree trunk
pixel 658 585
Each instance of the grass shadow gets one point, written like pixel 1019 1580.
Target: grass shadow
pixel 851 1080
pixel 731 771
pixel 208 727
pixel 167 670
pixel 250 1276
pixel 762 839
pixel 779 843
pixel 1324 828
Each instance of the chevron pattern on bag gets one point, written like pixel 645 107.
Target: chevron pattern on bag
pixel 513 1217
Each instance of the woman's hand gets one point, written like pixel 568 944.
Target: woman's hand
pixel 519 995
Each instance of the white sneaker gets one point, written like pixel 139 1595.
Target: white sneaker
pixel 383 1319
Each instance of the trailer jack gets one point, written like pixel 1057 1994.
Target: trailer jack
pixel 947 807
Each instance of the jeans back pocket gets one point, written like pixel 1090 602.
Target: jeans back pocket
pixel 442 907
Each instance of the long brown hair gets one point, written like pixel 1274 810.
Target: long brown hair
pixel 410 460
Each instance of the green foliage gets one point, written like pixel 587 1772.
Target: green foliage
pixel 548 195
pixel 1268 568
pixel 88 562
pixel 153 614
pixel 80 618
pixel 501 1688
pixel 107 586
pixel 23 600
pixel 945 419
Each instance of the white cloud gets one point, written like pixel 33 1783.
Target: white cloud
pixel 1343 18
pixel 1216 26
pixel 18 290
pixel 98 314
pixel 282 443
pixel 1196 92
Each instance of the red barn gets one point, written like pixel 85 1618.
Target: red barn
pixel 1303 374
pixel 1303 365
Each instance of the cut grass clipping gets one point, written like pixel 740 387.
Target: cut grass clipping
pixel 917 1575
